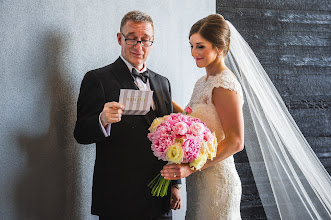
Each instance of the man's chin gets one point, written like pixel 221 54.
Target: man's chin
pixel 136 62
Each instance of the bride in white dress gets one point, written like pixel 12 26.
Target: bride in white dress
pixel 287 172
pixel 217 99
pixel 215 192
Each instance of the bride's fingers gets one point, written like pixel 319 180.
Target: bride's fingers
pixel 172 166
pixel 169 171
pixel 175 171
pixel 168 176
pixel 172 176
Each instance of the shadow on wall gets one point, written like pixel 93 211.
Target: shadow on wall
pixel 49 188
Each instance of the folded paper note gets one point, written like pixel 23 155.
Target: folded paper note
pixel 137 102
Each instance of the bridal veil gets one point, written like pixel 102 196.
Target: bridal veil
pixel 291 181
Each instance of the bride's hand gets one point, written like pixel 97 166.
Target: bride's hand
pixel 176 171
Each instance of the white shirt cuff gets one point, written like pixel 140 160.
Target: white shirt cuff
pixel 106 131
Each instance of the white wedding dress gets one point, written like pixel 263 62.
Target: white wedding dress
pixel 213 193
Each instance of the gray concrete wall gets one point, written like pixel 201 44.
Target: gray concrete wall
pixel 292 41
pixel 46 47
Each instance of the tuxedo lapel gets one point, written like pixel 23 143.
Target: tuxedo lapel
pixel 123 75
pixel 158 98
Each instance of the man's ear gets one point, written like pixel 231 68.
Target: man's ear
pixel 119 38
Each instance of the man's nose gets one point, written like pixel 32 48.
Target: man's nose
pixel 138 46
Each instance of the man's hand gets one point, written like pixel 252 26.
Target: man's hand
pixel 111 113
pixel 176 198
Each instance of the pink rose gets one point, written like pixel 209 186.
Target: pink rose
pixel 188 110
pixel 180 128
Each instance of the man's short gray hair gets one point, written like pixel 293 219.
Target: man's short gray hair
pixel 136 16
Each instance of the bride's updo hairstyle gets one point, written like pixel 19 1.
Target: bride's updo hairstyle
pixel 214 29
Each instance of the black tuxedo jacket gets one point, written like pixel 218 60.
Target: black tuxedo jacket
pixel 124 162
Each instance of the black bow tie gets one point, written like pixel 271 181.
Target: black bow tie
pixel 143 76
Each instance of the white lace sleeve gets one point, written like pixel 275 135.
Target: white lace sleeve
pixel 226 80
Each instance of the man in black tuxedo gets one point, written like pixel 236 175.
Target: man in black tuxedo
pixel 124 162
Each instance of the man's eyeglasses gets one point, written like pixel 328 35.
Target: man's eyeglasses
pixel 145 43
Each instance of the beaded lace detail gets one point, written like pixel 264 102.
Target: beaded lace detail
pixel 213 193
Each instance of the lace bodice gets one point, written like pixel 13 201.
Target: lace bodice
pixel 201 100
pixel 213 193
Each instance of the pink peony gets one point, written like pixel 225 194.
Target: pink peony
pixel 191 147
pixel 180 128
pixel 197 129
pixel 161 144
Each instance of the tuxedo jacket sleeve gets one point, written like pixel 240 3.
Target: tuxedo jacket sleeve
pixel 90 104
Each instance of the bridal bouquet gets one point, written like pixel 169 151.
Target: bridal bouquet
pixel 180 138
